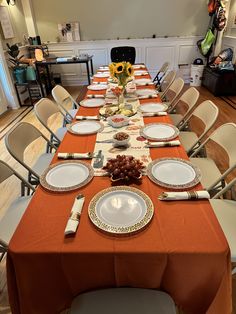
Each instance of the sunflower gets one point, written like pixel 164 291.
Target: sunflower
pixel 129 69
pixel 112 69
pixel 119 68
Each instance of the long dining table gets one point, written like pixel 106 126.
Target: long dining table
pixel 182 251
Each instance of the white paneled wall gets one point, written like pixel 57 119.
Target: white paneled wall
pixel 152 52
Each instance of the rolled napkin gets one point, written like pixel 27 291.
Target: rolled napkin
pixel 154 114
pixel 87 118
pixel 76 155
pixel 147 96
pixel 140 74
pixel 144 84
pixel 176 196
pixel 74 218
pixel 96 96
pixel 163 144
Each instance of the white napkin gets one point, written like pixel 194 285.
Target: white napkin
pixel 140 74
pixel 74 218
pixel 75 155
pixel 139 66
pixel 144 84
pixel 147 96
pixel 154 114
pixel 191 195
pixel 87 118
pixel 95 96
pixel 163 144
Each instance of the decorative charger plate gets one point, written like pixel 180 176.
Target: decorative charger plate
pixel 121 210
pixel 85 127
pixel 102 74
pixel 153 107
pixel 146 92
pixel 94 102
pixel 97 87
pixel 159 131
pixel 142 81
pixel 173 173
pixel 66 176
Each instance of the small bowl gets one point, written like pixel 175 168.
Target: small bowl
pixel 118 120
pixel 121 142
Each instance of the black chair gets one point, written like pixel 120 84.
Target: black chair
pixel 125 53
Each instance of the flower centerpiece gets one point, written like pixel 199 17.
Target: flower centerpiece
pixel 121 73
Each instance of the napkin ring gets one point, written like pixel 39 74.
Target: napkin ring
pixel 74 216
pixel 192 195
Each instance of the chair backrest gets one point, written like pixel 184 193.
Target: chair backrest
pixel 161 73
pixel 20 137
pixel 166 82
pixel 189 98
pixel 44 109
pixel 208 113
pixel 175 89
pixel 225 189
pixel 124 53
pixel 63 99
pixel 6 172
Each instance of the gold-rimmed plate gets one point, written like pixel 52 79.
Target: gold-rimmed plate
pixel 85 127
pixel 121 210
pixel 66 176
pixel 159 131
pixel 173 173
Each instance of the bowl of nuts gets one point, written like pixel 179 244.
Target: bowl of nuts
pixel 121 139
pixel 126 168
pixel 118 120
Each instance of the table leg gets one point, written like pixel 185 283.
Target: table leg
pixel 18 96
pixel 49 78
pixel 39 80
pixel 88 74
pixel 91 64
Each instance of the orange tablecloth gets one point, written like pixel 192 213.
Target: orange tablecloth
pixel 183 251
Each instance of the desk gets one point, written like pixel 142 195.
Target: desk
pixel 182 251
pixel 53 61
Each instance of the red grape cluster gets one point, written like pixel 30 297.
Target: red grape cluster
pixel 124 168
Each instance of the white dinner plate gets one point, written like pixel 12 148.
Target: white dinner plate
pixel 146 92
pixel 102 75
pixel 85 127
pixel 142 81
pixel 66 176
pixel 97 87
pixel 138 66
pixel 153 107
pixel 121 210
pixel 94 102
pixel 173 173
pixel 140 72
pixel 159 131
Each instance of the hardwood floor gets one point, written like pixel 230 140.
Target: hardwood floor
pixel 227 113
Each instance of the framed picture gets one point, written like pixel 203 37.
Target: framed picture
pixel 69 31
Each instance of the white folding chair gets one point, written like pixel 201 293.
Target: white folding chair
pixel 18 140
pixel 12 216
pixel 161 73
pixel 212 179
pixel 207 113
pixel 174 91
pixel 188 99
pixel 166 83
pixel 45 109
pixel 66 102
pixel 225 211
pixel 123 300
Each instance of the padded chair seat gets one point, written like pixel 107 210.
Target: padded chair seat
pixel 12 217
pixel 60 133
pixel 42 163
pixel 225 211
pixel 176 118
pixel 123 300
pixel 187 139
pixel 209 171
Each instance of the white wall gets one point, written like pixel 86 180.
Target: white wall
pixel 105 19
